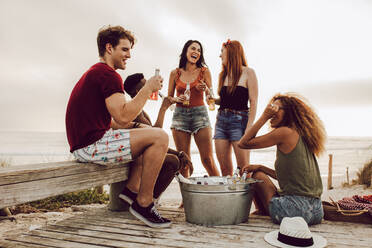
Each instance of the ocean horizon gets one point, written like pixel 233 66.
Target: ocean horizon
pixel 20 147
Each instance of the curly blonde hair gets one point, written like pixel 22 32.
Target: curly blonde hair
pixel 298 114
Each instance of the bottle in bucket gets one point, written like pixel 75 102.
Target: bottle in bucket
pixel 244 176
pixel 210 100
pixel 236 175
pixel 187 94
pixel 154 95
pixel 182 179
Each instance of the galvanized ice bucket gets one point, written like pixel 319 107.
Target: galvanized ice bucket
pixel 219 203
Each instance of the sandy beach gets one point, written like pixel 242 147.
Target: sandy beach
pixel 171 197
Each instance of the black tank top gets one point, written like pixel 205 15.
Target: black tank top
pixel 237 101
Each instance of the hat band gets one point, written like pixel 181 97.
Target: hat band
pixel 295 241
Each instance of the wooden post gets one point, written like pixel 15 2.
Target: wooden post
pixel 330 171
pixel 117 204
pixel 347 175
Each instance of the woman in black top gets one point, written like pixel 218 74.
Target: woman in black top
pixel 237 85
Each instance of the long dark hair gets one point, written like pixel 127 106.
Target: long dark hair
pixel 183 58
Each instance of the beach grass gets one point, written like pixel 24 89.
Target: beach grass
pixel 364 174
pixel 56 203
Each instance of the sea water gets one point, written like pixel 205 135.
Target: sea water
pixel 18 148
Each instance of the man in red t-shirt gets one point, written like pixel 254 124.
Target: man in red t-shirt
pixel 97 102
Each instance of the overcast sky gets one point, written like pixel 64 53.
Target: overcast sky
pixel 320 49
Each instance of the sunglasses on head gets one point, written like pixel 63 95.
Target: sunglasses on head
pixel 228 42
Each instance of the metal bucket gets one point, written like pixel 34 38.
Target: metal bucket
pixel 217 204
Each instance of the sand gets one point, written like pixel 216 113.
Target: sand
pixel 171 197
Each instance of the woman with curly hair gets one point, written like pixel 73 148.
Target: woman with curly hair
pixel 299 136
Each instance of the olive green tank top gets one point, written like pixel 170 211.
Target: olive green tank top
pixel 298 172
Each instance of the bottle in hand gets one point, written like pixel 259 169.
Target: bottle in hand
pixel 210 101
pixel 154 95
pixel 187 94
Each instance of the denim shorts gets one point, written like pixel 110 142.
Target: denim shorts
pixel 190 120
pixel 310 208
pixel 230 126
pixel 112 148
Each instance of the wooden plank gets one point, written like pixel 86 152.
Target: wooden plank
pixel 96 240
pixel 20 174
pixel 230 231
pixel 21 244
pixel 187 231
pixel 128 235
pixel 13 194
pixel 55 242
pixel 176 235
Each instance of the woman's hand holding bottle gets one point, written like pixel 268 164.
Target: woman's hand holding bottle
pixel 210 99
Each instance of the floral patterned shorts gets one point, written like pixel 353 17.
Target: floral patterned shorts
pixel 112 148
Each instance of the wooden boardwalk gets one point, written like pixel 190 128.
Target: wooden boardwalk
pixel 103 228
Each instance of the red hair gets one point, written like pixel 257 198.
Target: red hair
pixel 233 68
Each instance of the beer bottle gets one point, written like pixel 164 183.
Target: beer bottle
pixel 187 94
pixel 210 101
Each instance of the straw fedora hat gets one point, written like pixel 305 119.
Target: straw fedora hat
pixel 294 232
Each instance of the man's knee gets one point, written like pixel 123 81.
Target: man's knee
pixel 161 137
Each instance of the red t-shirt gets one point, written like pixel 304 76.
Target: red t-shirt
pixel 87 118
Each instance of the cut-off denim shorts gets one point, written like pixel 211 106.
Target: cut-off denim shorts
pixel 230 125
pixel 190 120
pixel 309 208
pixel 112 148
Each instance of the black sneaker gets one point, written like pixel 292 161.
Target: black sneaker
pixel 128 196
pixel 149 215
